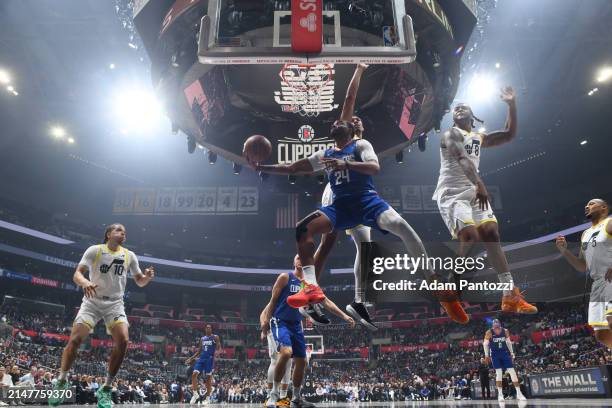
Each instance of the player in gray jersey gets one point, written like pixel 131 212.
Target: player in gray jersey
pixel 108 265
pixel 595 257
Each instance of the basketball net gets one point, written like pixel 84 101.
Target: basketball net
pixel 308 89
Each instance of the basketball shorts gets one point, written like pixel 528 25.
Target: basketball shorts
pixel 206 366
pixel 328 198
pixel 94 309
pixel 459 208
pixel 289 334
pixel 501 360
pixel 349 212
pixel 598 312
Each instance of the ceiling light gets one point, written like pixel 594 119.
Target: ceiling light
pixel 5 78
pixel 58 132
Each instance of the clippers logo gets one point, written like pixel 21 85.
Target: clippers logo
pixel 306 133
pixel 309 22
pixel 290 150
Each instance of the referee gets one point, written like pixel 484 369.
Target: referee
pixel 483 373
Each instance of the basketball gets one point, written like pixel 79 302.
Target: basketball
pixel 257 149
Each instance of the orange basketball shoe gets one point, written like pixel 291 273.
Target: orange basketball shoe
pixel 515 303
pixel 450 302
pixel 308 295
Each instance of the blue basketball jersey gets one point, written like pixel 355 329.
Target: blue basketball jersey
pixel 347 183
pixel 498 343
pixel 208 347
pixel 283 311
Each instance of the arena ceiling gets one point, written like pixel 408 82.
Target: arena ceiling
pixel 59 56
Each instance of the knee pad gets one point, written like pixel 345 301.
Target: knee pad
pixel 498 374
pixel 513 375
pixel 302 227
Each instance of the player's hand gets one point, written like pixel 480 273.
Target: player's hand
pixel 609 275
pixel 482 196
pixel 90 289
pixel 362 66
pixel 488 360
pixel 513 356
pixel 350 321
pixel 508 95
pixel 561 244
pixel 150 272
pixel 189 361
pixel 334 164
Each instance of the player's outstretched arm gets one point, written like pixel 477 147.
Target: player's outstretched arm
pixel 453 141
pixel 331 306
pixel 577 262
pixel 302 166
pixel 504 136
pixel 348 108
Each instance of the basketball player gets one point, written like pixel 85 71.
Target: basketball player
pixel 463 199
pixel 108 265
pixel 205 364
pixel 360 233
pixel 285 324
pixel 595 257
pixel 498 351
pixel 350 166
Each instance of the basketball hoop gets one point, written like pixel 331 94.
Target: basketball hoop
pixel 308 89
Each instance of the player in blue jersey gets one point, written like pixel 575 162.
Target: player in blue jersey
pixel 350 166
pixel 210 347
pixel 285 324
pixel 498 352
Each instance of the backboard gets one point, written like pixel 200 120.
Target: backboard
pixel 260 32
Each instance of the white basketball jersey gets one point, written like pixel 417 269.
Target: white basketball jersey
pixel 109 269
pixel 596 245
pixel 451 173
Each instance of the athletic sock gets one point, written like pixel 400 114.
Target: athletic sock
pixel 274 388
pixel 283 393
pixel 310 276
pixel 108 383
pixel 506 277
pixel 499 391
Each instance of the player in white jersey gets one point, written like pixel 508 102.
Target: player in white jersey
pixel 595 257
pixel 108 265
pixel 463 199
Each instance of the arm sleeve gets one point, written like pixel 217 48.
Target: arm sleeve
pixel 315 160
pixel 485 345
pixel 89 256
pixel 365 151
pixel 134 266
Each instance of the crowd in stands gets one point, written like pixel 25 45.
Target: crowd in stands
pixel 383 376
